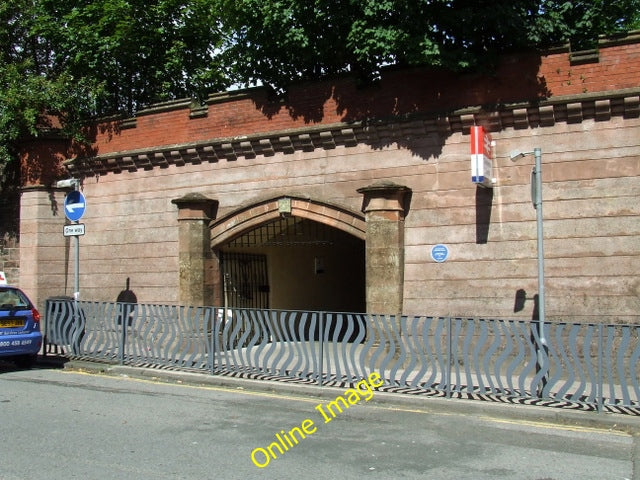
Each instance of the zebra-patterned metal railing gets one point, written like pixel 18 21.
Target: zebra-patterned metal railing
pixel 596 365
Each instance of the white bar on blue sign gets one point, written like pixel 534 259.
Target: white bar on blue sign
pixel 73 230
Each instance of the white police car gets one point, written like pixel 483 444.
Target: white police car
pixel 20 336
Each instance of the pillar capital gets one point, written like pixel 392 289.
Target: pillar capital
pixel 384 196
pixel 195 206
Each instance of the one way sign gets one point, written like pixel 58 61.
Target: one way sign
pixel 74 205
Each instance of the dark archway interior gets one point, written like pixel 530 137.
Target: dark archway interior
pixel 295 264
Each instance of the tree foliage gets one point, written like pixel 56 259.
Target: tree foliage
pixel 81 58
pixel 277 41
pixel 581 22
pixel 74 59
pixel 136 52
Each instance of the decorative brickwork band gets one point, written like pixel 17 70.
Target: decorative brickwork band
pixel 561 109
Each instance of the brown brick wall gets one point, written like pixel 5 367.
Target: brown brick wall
pixel 591 227
pixel 401 92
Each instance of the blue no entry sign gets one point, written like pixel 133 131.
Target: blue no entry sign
pixel 74 205
pixel 439 253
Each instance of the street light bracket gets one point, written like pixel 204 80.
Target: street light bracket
pixel 516 154
pixel 68 183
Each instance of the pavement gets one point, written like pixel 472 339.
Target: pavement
pixel 451 436
pixel 493 408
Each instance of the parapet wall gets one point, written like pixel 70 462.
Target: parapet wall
pixel 519 80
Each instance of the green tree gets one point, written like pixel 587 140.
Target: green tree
pixel 71 60
pixel 29 87
pixel 279 41
pixel 79 58
pixel 582 22
pixel 136 52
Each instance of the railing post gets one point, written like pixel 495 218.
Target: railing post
pixel 123 334
pixel 321 316
pixel 213 312
pixel 448 367
pixel 600 386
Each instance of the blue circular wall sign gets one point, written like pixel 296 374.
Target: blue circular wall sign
pixel 439 253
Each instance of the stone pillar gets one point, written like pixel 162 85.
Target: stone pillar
pixel 44 251
pixel 46 267
pixel 384 208
pixel 197 266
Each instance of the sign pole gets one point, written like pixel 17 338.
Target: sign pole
pixel 76 264
pixel 74 208
pixel 536 199
pixel 76 269
pixel 537 153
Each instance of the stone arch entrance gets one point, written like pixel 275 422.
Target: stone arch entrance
pixel 291 253
pixel 379 235
pixel 248 218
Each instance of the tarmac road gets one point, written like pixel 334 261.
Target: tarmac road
pixel 60 424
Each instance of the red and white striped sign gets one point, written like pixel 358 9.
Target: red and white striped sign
pixel 481 156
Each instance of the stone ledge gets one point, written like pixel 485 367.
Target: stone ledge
pixel 568 109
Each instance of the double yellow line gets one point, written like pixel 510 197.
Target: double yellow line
pixel 394 408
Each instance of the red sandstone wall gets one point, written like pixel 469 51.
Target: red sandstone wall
pixel 591 176
pixel 41 161
pixel 591 172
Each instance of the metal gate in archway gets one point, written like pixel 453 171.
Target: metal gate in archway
pixel 293 262
pixel 245 280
